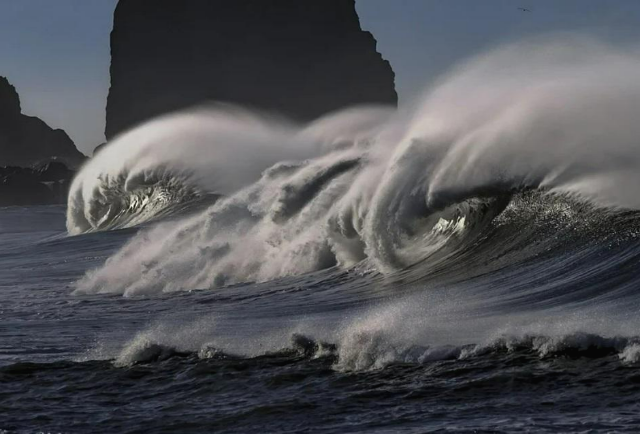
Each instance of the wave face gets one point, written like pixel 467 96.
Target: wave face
pixel 540 136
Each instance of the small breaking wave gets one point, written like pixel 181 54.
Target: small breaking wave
pixel 371 352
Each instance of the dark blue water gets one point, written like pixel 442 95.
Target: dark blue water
pixel 527 325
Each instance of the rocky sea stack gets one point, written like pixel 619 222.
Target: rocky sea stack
pixel 301 59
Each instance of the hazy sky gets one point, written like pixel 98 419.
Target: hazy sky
pixel 56 52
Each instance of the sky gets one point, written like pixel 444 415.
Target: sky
pixel 56 52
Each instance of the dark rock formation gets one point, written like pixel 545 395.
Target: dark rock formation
pixel 300 58
pixel 26 140
pixel 9 99
pixel 47 184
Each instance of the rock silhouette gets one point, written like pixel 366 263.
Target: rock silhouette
pixel 44 185
pixel 297 58
pixel 27 140
pixel 35 156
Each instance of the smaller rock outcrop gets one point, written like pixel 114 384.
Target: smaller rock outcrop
pixel 27 140
pixel 9 100
pixel 36 158
pixel 44 185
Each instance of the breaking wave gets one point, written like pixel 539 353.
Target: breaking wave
pixel 372 352
pixel 502 155
pixel 176 159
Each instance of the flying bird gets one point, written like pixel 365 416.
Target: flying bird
pixel 525 9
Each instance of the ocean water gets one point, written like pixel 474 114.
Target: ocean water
pixel 538 336
pixel 466 265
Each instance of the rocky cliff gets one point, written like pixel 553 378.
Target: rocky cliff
pixel 26 140
pixel 299 58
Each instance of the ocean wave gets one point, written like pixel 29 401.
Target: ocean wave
pixel 169 162
pixel 386 191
